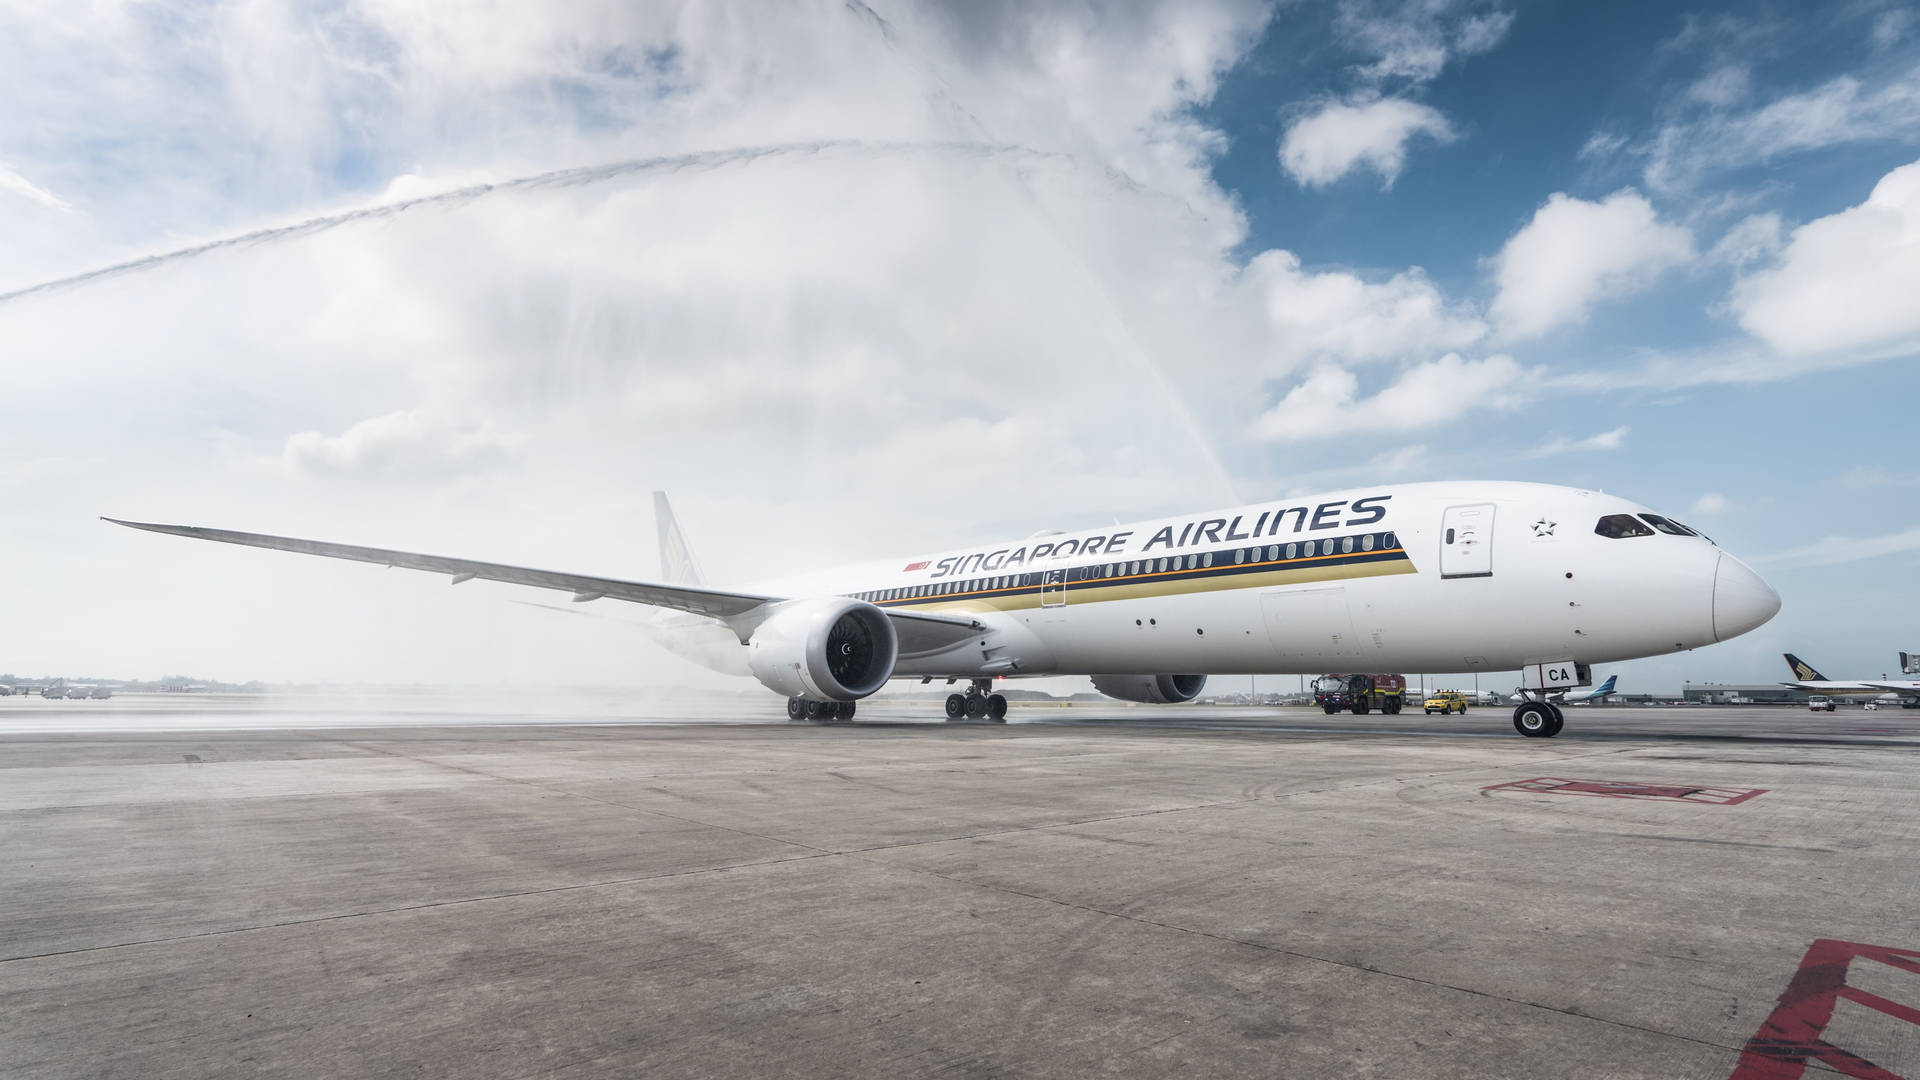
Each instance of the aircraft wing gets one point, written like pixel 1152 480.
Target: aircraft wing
pixel 919 631
pixel 1897 687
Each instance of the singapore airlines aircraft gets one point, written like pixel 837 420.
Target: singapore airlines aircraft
pixel 1806 678
pixel 1415 577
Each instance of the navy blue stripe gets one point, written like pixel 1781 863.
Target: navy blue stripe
pixel 1031 581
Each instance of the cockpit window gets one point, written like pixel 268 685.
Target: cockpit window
pixel 1668 525
pixel 1620 526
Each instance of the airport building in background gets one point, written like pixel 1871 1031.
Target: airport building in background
pixel 1711 693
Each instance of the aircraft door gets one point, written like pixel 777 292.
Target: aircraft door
pixel 1053 587
pixel 1466 541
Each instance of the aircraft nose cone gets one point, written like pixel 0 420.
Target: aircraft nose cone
pixel 1741 601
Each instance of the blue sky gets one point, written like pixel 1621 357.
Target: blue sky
pixel 936 273
pixel 1572 99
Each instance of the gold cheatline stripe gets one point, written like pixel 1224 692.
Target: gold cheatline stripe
pixel 1116 588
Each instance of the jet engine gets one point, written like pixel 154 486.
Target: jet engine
pixel 827 649
pixel 1151 689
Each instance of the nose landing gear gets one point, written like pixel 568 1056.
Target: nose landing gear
pixel 1539 720
pixel 978 704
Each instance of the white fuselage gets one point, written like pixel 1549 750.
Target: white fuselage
pixel 1412 577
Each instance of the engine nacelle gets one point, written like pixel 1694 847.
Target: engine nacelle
pixel 1151 689
pixel 827 649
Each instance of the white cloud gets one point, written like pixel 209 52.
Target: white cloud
pixel 1845 281
pixel 1333 315
pixel 1601 144
pixel 401 444
pixel 1891 27
pixel 1683 155
pixel 1721 87
pixel 1574 254
pixel 1319 405
pixel 1324 146
pixel 13 182
pixel 1835 550
pixel 975 198
pixel 1863 477
pixel 1414 39
pixel 1327 402
pixel 1396 463
pixel 1752 239
pixel 1711 503
pixel 1605 440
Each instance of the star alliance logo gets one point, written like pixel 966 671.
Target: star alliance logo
pixel 1543 527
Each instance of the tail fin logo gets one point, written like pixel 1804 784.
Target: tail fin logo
pixel 1803 670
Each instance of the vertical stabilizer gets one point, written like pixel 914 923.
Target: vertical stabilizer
pixel 1802 670
pixel 676 559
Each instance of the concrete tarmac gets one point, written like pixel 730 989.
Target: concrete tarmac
pixel 1092 892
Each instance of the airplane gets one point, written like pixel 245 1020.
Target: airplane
pixel 1572 697
pixel 1806 678
pixel 1415 577
pixel 1587 697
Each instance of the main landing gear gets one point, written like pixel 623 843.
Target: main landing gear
pixel 1539 719
pixel 819 712
pixel 978 704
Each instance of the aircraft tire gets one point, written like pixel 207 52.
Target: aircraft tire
pixel 796 708
pixel 976 706
pixel 956 706
pixel 1534 720
pixel 997 708
pixel 844 712
pixel 1559 719
pixel 818 711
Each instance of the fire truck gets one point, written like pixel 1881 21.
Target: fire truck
pixel 1359 694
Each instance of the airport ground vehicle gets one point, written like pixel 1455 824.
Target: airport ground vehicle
pixel 1871 705
pixel 1359 694
pixel 1444 702
pixel 1820 704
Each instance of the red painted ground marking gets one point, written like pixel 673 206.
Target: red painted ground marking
pixel 1628 789
pixel 1789 1040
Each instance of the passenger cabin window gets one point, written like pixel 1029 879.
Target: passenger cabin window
pixel 1616 527
pixel 1668 525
